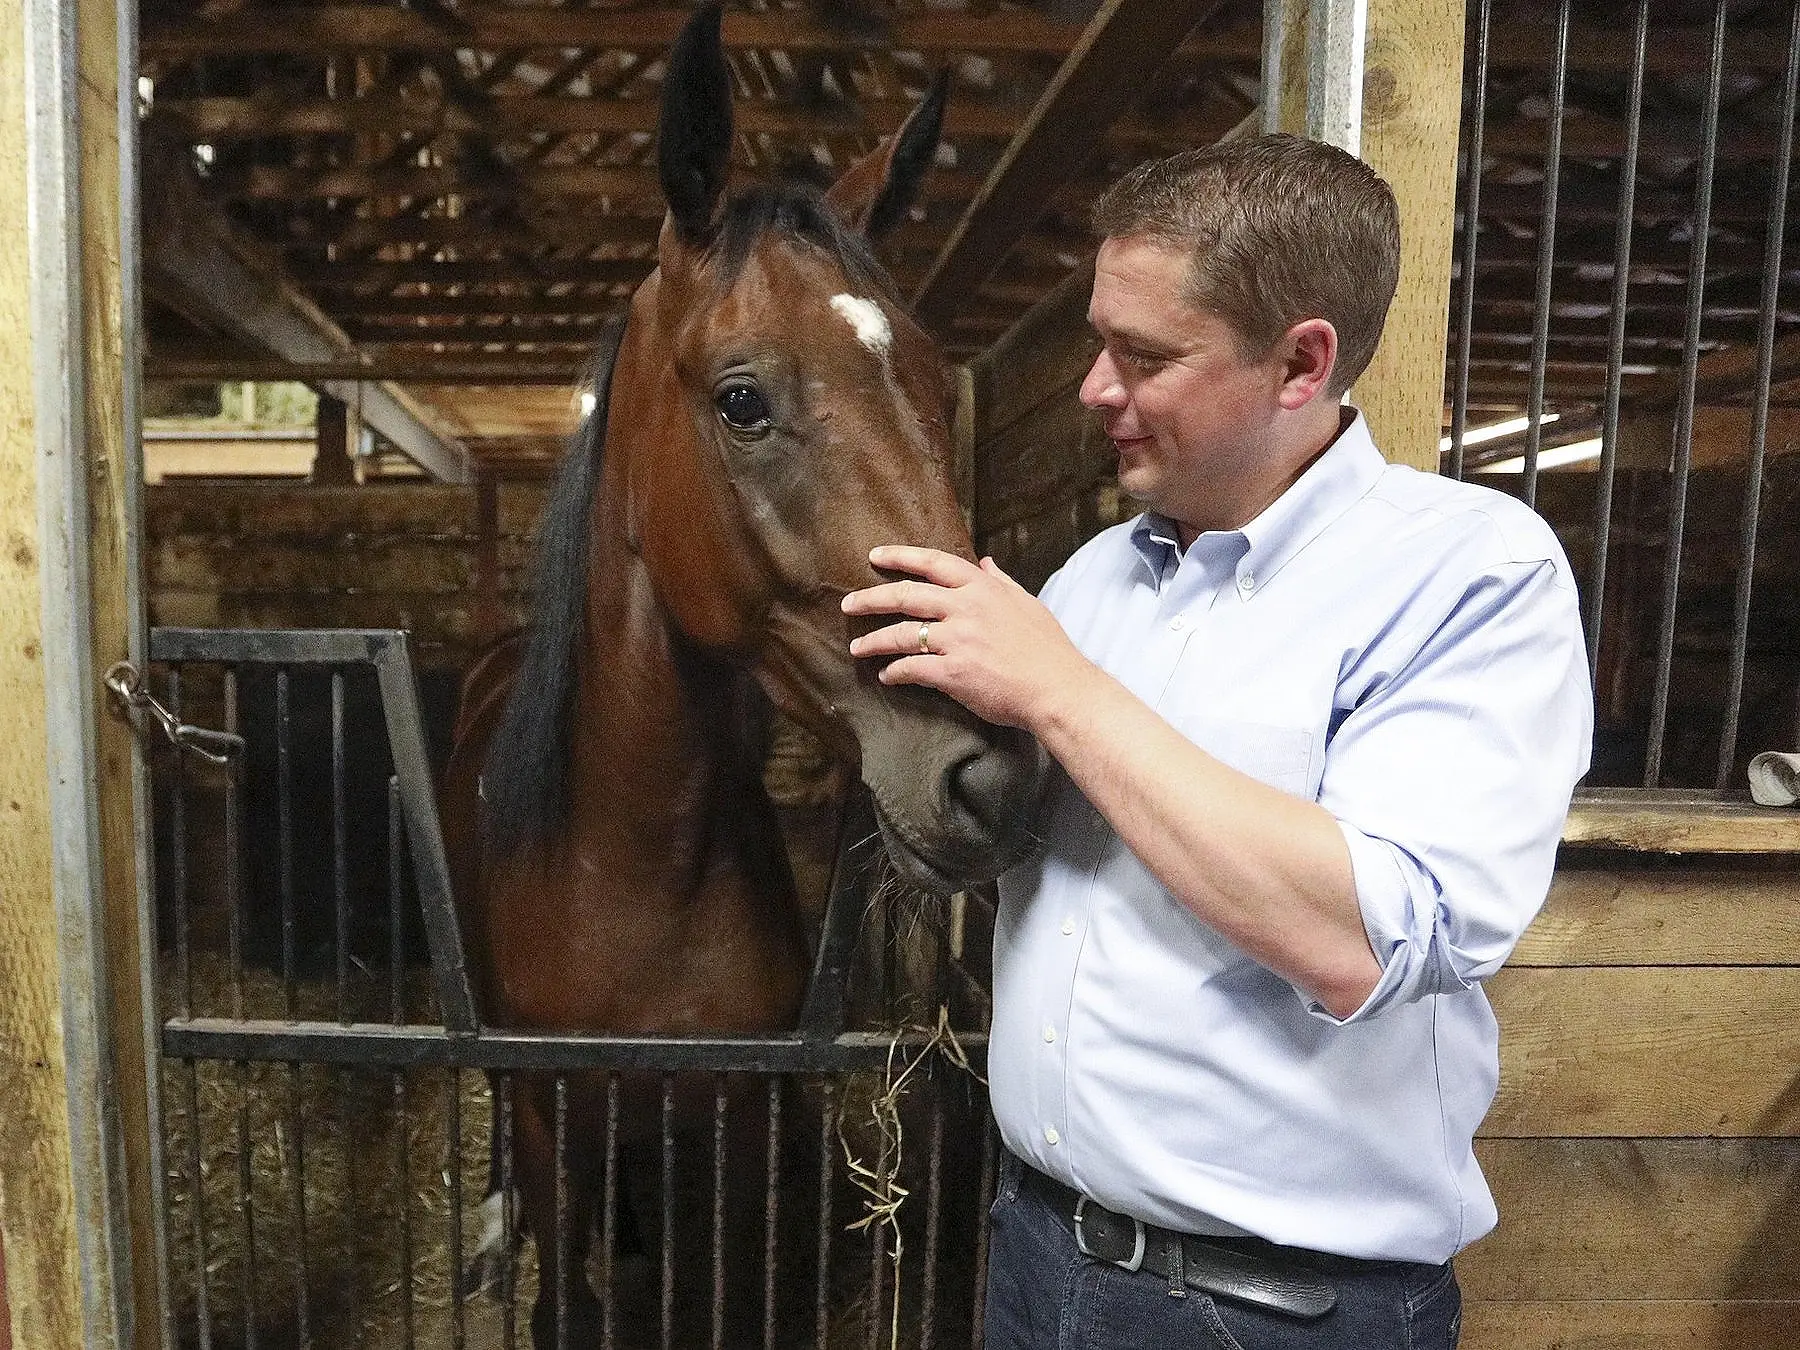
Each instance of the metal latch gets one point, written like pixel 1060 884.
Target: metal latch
pixel 128 686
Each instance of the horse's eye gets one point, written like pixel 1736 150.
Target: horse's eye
pixel 741 404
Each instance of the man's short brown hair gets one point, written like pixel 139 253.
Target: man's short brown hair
pixel 1277 229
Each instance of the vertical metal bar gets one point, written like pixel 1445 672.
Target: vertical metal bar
pixel 396 911
pixel 509 1313
pixel 822 1278
pixel 1684 410
pixel 453 1180
pixel 561 1274
pixel 1615 345
pixel 1546 260
pixel 349 1123
pixel 934 1208
pixel 718 1213
pixel 609 1214
pixel 197 1208
pixel 668 1211
pixel 1473 139
pixel 234 849
pixel 246 1207
pixel 297 1198
pixel 431 868
pixel 284 828
pixel 877 1264
pixel 1759 409
pixel 178 862
pixel 403 1166
pixel 1335 35
pixel 771 1217
pixel 989 1157
pixel 340 851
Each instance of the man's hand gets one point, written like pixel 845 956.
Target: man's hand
pixel 972 632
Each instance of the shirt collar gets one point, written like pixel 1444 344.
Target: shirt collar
pixel 1334 482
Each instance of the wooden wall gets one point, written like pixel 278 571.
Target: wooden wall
pixel 378 556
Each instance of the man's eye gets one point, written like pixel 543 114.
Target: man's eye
pixel 741 406
pixel 1140 360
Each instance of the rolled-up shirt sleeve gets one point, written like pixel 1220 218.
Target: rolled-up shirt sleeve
pixel 1450 778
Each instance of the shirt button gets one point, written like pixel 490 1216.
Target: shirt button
pixel 1246 583
pixel 1177 623
pixel 1049 1035
pixel 1068 926
pixel 1051 1137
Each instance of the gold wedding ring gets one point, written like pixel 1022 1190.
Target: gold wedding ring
pixel 925 638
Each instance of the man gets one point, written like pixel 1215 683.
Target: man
pixel 1319 720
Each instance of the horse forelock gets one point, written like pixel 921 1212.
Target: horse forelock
pixel 525 778
pixel 798 211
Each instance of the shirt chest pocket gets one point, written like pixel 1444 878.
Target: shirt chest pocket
pixel 1280 756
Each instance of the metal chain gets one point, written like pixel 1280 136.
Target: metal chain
pixel 127 684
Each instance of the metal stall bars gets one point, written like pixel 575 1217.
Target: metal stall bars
pixel 279 1006
pixel 1651 233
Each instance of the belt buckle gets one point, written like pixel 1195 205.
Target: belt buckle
pixel 1136 1258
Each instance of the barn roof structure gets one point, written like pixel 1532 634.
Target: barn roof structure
pixel 438 202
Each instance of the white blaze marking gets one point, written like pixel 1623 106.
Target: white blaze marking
pixel 866 318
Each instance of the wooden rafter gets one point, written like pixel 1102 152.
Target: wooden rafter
pixel 1099 82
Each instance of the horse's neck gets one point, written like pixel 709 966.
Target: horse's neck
pixel 658 751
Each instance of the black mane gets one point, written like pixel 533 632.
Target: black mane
pixel 799 211
pixel 525 779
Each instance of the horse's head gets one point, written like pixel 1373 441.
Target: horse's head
pixel 789 415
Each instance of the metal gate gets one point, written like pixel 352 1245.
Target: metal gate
pixel 326 1116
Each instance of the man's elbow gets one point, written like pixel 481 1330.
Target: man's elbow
pixel 1343 992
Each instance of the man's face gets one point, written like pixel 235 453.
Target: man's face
pixel 1189 415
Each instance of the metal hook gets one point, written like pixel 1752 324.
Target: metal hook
pixel 127 684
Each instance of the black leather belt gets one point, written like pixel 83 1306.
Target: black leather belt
pixel 1270 1278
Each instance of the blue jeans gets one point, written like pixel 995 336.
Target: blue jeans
pixel 1042 1294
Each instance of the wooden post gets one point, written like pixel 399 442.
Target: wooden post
pixel 332 463
pixel 76 1154
pixel 1383 79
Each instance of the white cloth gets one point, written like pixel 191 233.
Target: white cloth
pixel 1407 651
pixel 1775 778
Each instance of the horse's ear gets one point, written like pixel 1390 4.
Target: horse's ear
pixel 694 134
pixel 875 192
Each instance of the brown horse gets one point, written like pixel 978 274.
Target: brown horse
pixel 769 414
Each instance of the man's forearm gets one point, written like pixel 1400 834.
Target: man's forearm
pixel 1269 872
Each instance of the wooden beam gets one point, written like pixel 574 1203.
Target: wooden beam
pixel 242 364
pixel 189 258
pixel 77 1156
pixel 329 28
pixel 1412 90
pixel 1107 71
pixel 337 28
pixel 1679 821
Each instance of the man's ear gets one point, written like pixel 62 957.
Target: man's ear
pixel 1309 356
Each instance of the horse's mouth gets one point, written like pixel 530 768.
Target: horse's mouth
pixel 940 877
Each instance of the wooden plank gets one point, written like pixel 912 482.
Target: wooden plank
pixel 68 883
pixel 1626 1324
pixel 1412 99
pixel 1585 1219
pixel 1679 821
pixel 1647 1051
pixel 1103 76
pixel 1041 462
pixel 1663 918
pixel 1044 355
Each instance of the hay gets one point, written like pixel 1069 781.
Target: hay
pixel 328 1160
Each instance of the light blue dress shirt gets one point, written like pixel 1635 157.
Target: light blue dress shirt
pixel 1407 651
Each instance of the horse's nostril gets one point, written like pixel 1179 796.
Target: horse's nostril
pixel 982 786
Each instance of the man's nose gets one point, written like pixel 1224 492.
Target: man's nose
pixel 1102 387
